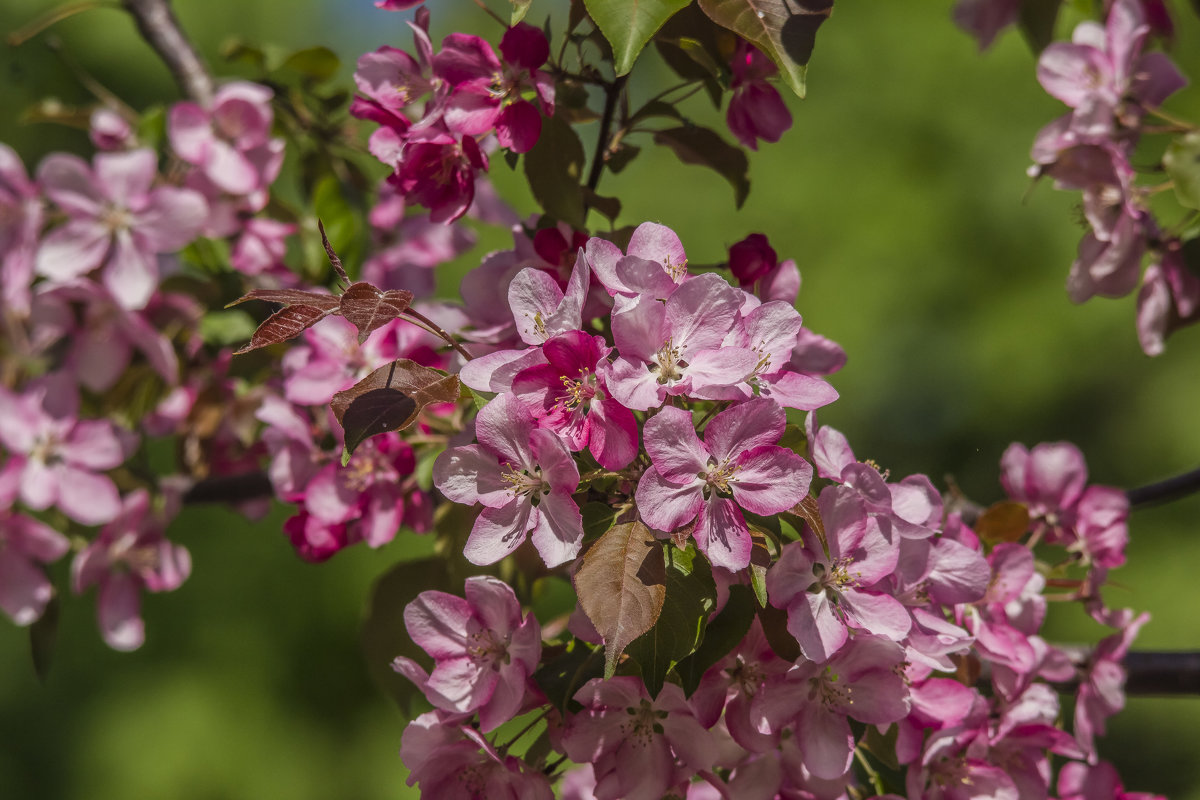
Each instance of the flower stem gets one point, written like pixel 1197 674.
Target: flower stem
pixel 55 15
pixel 435 329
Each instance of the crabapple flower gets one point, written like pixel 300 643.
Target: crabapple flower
pixel 229 142
pixel 1169 299
pixel 754 263
pixel 24 588
pixel 567 394
pixel 130 555
pixel 62 457
pixel 108 130
pixel 1102 690
pixel 638 747
pixel 483 649
pixel 542 309
pixel 825 595
pixel 115 221
pixel 676 347
pixel 756 111
pixel 20 222
pixel 1078 781
pixel 524 476
pixel 739 460
pixel 451 760
pixel 654 263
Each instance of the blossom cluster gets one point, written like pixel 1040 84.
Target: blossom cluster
pixel 880 606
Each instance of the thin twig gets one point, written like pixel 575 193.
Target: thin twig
pixel 230 489
pixel 160 29
pixel 99 90
pixel 1165 491
pixel 612 92
pixel 52 17
pixel 436 329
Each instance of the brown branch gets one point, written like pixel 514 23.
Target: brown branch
pixel 612 92
pixel 1164 491
pixel 159 27
pixel 1162 673
pixel 229 489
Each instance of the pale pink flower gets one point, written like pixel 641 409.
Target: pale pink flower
pixel 638 747
pixel 483 649
pixel 62 457
pixel 24 543
pixel 230 142
pixel 115 221
pixel 20 222
pixel 1078 781
pixel 739 465
pixel 524 476
pixel 654 263
pixel 130 555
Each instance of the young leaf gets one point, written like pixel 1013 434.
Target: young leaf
pixel 564 669
pixel 1182 162
pixel 317 64
pixel 1005 521
pixel 774 625
pixel 598 519
pixel 621 586
pixel 696 145
pixel 691 597
pixel 785 30
pixel 554 168
pixel 369 308
pixel 720 637
pixel 1036 20
pixel 519 9
pixel 807 511
pixel 301 310
pixel 389 399
pixel 629 24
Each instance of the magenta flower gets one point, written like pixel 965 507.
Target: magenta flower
pixel 1078 781
pixel 115 221
pixel 397 5
pixel 567 395
pixel 754 263
pixel 108 130
pixel 1102 689
pixel 756 111
pixel 440 176
pixel 130 555
pixel 261 247
pixel 20 223
pixel 1169 299
pixel 24 542
pixel 62 457
pixel 638 747
pixel 524 476
pixel 452 760
pixel 825 595
pixel 738 461
pixel 483 650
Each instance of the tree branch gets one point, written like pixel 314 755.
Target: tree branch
pixel 612 92
pixel 159 27
pixel 229 489
pixel 1162 673
pixel 1165 491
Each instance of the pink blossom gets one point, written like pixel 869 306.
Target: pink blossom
pixel 230 141
pixel 541 309
pixel 452 760
pixel 638 747
pixel 20 223
pixel 567 394
pixel 439 176
pixel 825 595
pixel 863 680
pixel 62 457
pixel 115 221
pixel 524 476
pixel 756 267
pixel 1079 781
pixel 397 5
pixel 24 542
pixel 738 461
pixel 1168 300
pixel 676 347
pixel 756 111
pixel 130 555
pixel 483 650
pixel 261 247
pixel 1102 690
pixel 654 263
pixel 108 130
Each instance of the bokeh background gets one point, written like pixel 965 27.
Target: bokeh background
pixel 900 192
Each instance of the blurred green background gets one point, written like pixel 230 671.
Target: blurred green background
pixel 900 192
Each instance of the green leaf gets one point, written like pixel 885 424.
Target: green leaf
pixel 384 635
pixel 883 745
pixel 721 635
pixel 774 625
pixel 152 127
pixel 554 168
pixel 1182 162
pixel 1036 20
pixel 696 145
pixel 598 519
pixel 785 30
pixel 342 224
pixel 629 24
pixel 317 64
pixel 621 587
pixel 519 9
pixel 238 50
pixel 566 668
pixel 691 597
pixel 223 328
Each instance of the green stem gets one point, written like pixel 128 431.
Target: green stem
pixel 55 15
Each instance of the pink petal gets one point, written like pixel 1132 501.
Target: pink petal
pixel 826 741
pixel 498 532
pixel 613 437
pixel 673 446
pixel 119 611
pixel 880 614
pixel 126 177
pixel 24 588
pixel 504 427
pixel 721 534
pixel 93 444
pixel 439 623
pixel 664 505
pixel 73 250
pixel 770 479
pixel 469 475
pixel 172 220
pixel 655 242
pixel 744 427
pixel 86 497
pixel 558 530
pixel 68 181
pixel 189 130
pixel 817 628
pixel 130 274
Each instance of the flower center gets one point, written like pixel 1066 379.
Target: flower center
pixel 717 478
pixel 577 392
pixel 524 483
pixel 668 363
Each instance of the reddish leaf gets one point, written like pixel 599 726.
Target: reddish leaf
pixel 284 324
pixel 369 308
pixel 389 399
pixel 301 310
pixel 334 261
pixel 1003 522
pixel 622 584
